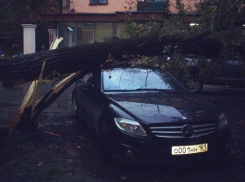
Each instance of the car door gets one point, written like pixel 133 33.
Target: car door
pixel 232 73
pixel 82 93
pixel 91 99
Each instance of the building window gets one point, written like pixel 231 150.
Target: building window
pixel 68 3
pixel 81 33
pixel 96 2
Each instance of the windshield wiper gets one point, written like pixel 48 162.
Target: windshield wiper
pixel 138 89
pixel 125 90
pixel 153 89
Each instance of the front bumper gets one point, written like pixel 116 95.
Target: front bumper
pixel 131 149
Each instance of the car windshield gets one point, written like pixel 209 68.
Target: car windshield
pixel 133 79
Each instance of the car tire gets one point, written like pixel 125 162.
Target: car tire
pixel 195 85
pixel 74 108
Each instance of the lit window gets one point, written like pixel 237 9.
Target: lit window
pixel 98 1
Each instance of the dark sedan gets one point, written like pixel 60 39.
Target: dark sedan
pixel 145 115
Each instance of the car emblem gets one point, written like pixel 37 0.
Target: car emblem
pixel 187 131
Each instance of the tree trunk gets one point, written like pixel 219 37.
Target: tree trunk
pixel 69 60
pixel 88 57
pixel 26 116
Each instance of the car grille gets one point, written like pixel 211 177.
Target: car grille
pixel 176 130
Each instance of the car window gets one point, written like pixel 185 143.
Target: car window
pixel 119 79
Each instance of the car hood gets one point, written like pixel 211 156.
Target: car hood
pixel 159 107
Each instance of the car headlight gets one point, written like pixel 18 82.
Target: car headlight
pixel 130 126
pixel 222 121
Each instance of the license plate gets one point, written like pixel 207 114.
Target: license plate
pixel 189 149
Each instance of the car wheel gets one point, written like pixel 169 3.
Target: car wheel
pixel 74 106
pixel 194 85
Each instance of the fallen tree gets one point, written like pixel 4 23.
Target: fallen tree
pixel 87 57
pixel 69 60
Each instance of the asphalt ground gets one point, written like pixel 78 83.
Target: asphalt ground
pixel 63 148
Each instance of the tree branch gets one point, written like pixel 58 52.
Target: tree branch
pixel 209 31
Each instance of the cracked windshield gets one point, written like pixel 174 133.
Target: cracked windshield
pixel 137 79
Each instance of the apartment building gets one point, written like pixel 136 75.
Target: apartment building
pixel 88 21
